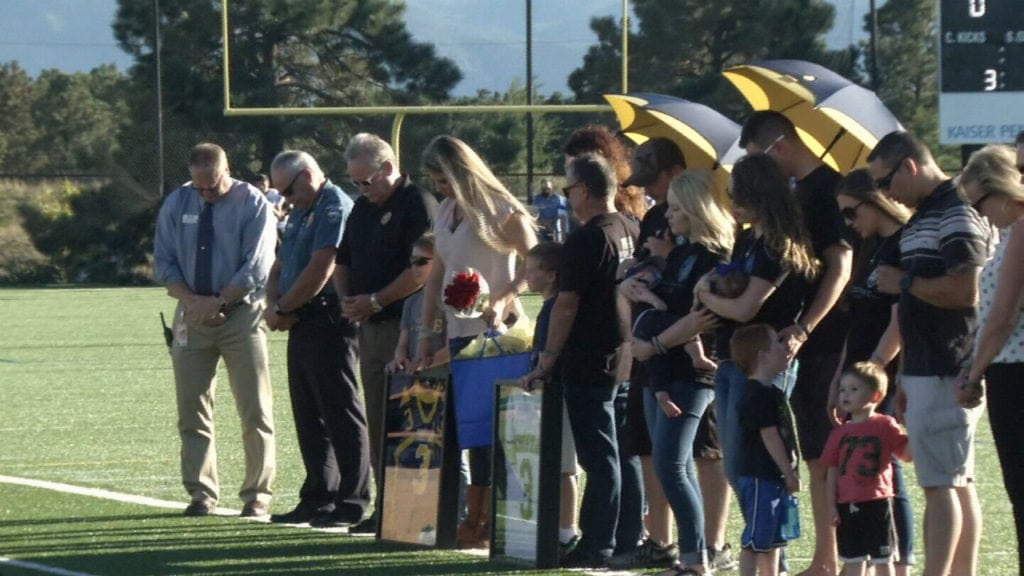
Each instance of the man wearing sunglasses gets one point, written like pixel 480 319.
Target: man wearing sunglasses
pixel 372 275
pixel 819 333
pixel 213 250
pixel 322 350
pixel 942 249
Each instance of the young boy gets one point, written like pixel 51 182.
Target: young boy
pixel 859 459
pixel 421 262
pixel 542 277
pixel 768 469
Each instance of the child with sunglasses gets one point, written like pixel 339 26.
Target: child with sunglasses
pixel 421 262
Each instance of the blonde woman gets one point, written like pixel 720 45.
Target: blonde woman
pixel 479 225
pixel 992 184
pixel 679 390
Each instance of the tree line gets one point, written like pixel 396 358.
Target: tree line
pixel 315 53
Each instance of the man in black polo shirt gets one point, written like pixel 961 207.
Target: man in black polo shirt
pixel 942 250
pixel 373 275
pixel 589 326
pixel 820 331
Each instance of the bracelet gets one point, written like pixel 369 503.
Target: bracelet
pixel 876 359
pixel 658 346
pixel 374 304
pixel 803 328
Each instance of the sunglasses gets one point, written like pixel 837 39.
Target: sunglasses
pixel 981 200
pixel 886 182
pixel 287 192
pixel 210 189
pixel 774 142
pixel 565 190
pixel 368 181
pixel 420 260
pixel 850 212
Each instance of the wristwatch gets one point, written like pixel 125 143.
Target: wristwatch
pixel 905 282
pixel 374 304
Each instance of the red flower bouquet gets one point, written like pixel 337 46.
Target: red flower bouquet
pixel 466 294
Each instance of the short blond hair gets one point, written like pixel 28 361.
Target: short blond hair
pixel 871 374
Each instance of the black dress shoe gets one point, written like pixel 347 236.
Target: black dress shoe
pixel 301 513
pixel 367 526
pixel 332 520
pixel 198 508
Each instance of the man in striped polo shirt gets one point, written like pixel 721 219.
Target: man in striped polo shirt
pixel 942 250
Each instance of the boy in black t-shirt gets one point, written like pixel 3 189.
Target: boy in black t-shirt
pixel 768 471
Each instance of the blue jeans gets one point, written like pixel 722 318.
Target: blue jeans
pixel 630 530
pixel 592 418
pixel 672 454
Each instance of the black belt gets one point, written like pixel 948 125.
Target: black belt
pixel 319 304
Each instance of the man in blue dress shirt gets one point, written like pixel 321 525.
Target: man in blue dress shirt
pixel 213 251
pixel 323 348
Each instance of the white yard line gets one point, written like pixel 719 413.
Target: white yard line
pixel 40 567
pixel 105 494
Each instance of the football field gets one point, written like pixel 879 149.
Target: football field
pixel 89 477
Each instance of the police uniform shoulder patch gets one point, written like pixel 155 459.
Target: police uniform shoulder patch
pixel 333 215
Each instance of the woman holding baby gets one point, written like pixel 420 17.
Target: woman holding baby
pixel 680 377
pixel 775 252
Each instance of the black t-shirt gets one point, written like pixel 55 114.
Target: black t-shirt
pixel 943 234
pixel 590 260
pixel 825 224
pixel 684 267
pixel 378 240
pixel 783 307
pixel 870 310
pixel 763 406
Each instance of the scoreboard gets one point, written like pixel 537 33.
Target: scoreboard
pixel 981 97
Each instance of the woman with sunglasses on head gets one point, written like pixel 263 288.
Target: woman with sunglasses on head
pixel 874 332
pixel 479 225
pixel 992 184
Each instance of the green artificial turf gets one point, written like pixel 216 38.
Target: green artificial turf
pixel 87 398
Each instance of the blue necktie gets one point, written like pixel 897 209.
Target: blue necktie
pixel 204 252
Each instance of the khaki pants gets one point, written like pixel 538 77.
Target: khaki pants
pixel 242 342
pixel 377 342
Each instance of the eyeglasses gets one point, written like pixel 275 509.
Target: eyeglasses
pixel 565 190
pixel 850 212
pixel 886 182
pixel 287 192
pixel 215 187
pixel 981 200
pixel 420 260
pixel 774 142
pixel 367 181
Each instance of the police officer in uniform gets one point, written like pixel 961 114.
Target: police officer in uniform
pixel 322 348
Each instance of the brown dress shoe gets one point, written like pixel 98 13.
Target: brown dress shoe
pixel 254 509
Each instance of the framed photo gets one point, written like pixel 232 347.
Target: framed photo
pixel 527 481
pixel 416 419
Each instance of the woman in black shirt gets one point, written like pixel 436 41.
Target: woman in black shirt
pixel 679 391
pixel 878 221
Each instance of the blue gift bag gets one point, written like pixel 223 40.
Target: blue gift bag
pixel 790 525
pixel 473 385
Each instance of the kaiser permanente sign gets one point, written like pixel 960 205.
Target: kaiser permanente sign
pixel 981 46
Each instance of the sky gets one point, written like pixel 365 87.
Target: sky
pixel 484 37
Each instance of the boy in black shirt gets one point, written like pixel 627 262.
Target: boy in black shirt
pixel 768 471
